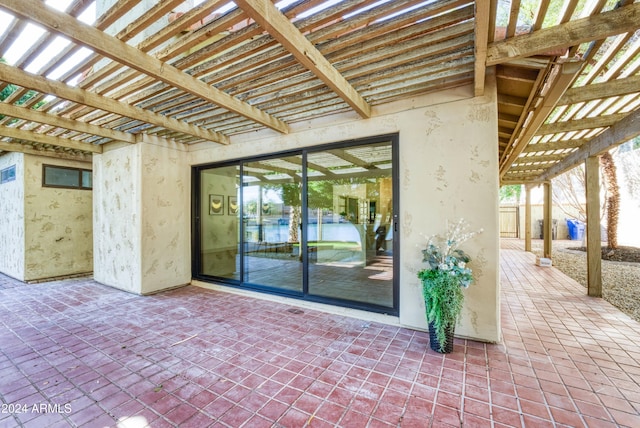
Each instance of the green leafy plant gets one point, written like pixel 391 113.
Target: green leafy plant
pixel 445 278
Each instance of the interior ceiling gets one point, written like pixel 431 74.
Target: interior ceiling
pixel 568 73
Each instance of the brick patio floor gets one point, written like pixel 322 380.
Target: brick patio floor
pixel 76 353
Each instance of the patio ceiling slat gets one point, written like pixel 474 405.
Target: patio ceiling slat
pixel 602 90
pixel 610 23
pixel 281 29
pixel 103 103
pixel 134 58
pixel 70 124
pixel 624 130
pixel 36 137
pixel 385 51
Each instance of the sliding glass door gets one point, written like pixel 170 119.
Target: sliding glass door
pixel 219 223
pixel 318 224
pixel 271 212
pixel 350 224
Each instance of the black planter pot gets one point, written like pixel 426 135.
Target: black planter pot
pixel 435 344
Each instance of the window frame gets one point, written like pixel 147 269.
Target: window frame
pixel 6 174
pixel 80 172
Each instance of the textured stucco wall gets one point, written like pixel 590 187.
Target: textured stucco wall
pixel 142 238
pixel 165 189
pixel 58 224
pixel 12 218
pixel 116 217
pixel 448 170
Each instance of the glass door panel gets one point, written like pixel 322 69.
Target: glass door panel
pixel 271 205
pixel 219 222
pixel 350 218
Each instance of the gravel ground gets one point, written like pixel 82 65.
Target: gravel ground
pixel 620 280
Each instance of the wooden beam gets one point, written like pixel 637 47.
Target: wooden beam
pixel 192 16
pixel 598 91
pixel 565 75
pixel 30 150
pixel 63 122
pixel 121 52
pixel 67 143
pixel 594 252
pixel 46 86
pixel 527 218
pixel 481 40
pixel 538 167
pixel 621 132
pixel 555 145
pixel 621 20
pixel 547 220
pixel 115 12
pixel 275 23
pixel 538 158
pixel 580 124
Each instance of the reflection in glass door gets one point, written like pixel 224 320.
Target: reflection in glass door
pixel 350 224
pixel 219 222
pixel 271 206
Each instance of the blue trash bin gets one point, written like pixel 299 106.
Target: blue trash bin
pixel 576 229
pixel 581 228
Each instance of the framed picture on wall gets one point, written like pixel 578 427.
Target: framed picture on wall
pixel 233 205
pixel 216 204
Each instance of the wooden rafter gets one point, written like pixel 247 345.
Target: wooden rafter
pixel 281 29
pixel 580 124
pixel 621 132
pixel 554 145
pixel 125 54
pixel 19 134
pixel 62 122
pixel 41 84
pixel 602 90
pixel 621 20
pixel 562 76
pixel 18 147
pixel 481 40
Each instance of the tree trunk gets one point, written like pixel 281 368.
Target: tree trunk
pixel 294 223
pixel 613 198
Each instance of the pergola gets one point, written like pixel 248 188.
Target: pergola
pixel 568 80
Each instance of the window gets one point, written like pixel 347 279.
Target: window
pixel 8 174
pixel 66 177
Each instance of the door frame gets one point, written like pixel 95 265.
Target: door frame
pixel 395 224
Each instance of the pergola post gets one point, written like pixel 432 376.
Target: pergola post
pixel 594 255
pixel 547 226
pixel 527 218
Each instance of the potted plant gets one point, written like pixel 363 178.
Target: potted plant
pixel 443 283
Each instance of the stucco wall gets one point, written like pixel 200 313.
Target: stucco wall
pixel 12 218
pixel 448 170
pixel 58 224
pixel 165 190
pixel 116 217
pixel 142 216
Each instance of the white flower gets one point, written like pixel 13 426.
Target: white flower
pixel 443 266
pixel 461 265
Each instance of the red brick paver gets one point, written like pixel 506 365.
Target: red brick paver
pixel 76 353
